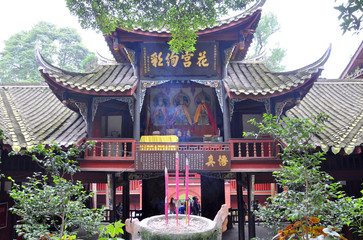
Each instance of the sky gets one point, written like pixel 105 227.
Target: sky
pixel 307 28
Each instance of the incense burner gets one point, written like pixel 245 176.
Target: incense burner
pixel 157 228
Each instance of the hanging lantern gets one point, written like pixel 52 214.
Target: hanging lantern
pixel 241 42
pixel 115 43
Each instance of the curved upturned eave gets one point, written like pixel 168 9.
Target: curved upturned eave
pixel 220 25
pixel 49 73
pixel 310 73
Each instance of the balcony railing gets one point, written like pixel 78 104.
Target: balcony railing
pixel 124 149
pixel 247 149
pixel 111 149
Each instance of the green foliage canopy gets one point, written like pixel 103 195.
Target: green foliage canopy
pixel 310 192
pixel 49 205
pixel 183 18
pixel 272 57
pixel 60 46
pixel 351 16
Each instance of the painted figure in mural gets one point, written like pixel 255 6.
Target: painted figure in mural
pixel 203 114
pixel 159 116
pixel 181 115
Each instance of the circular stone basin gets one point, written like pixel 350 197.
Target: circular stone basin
pixel 155 228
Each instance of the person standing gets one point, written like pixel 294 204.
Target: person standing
pixel 172 207
pixel 195 206
pixel 182 208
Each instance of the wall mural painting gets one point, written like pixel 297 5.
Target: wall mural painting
pixel 160 113
pixel 181 115
pixel 203 114
pixel 182 111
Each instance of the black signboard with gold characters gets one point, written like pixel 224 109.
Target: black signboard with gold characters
pixel 198 160
pixel 158 60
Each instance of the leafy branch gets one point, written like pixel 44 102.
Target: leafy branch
pixel 50 205
pixel 182 18
pixel 308 191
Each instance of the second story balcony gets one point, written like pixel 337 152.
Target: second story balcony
pixel 237 154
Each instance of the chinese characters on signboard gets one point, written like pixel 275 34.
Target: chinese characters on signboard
pixel 198 160
pixel 158 60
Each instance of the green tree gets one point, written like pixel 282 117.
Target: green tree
pixel 351 15
pixel 49 205
pixel 89 63
pixel 61 47
pixel 310 193
pixel 182 18
pixel 272 57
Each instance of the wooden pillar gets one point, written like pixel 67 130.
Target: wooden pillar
pixel 251 216
pixel 241 208
pixel 226 117
pixel 272 190
pixel 252 188
pixel 113 200
pixel 272 106
pixel 108 194
pixel 137 113
pixel 212 196
pixel 94 190
pixel 89 117
pixel 125 200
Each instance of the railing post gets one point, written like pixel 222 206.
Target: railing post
pixel 117 149
pixel 101 149
pixel 247 150
pixel 254 149
pixel 125 149
pixel 94 150
pixel 109 148
pixel 269 150
pixel 239 150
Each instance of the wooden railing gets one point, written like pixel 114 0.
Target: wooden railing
pixel 135 187
pixel 259 187
pixel 111 149
pixel 247 149
pixel 124 149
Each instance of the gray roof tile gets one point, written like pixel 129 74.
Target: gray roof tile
pixel 342 100
pixel 114 77
pixel 31 114
pixel 245 78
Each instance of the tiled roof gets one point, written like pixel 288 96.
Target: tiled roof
pixel 219 23
pixel 106 78
pixel 355 65
pixel 342 100
pixel 31 114
pixel 255 79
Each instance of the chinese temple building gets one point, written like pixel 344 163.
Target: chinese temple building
pixel 150 103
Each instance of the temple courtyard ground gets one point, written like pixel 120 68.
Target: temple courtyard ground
pixel 232 234
pixel 261 233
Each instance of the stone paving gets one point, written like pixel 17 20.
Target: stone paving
pixel 261 233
